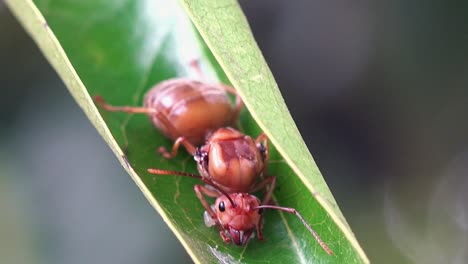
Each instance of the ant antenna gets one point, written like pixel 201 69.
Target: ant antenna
pixel 186 174
pixel 294 211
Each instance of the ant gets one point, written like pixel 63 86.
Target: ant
pixel 237 214
pixel 186 108
pixel 191 112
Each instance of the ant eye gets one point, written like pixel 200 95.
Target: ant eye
pixel 260 211
pixel 221 207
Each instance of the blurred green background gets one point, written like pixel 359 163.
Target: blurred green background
pixel 378 91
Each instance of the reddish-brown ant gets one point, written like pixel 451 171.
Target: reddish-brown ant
pixel 237 214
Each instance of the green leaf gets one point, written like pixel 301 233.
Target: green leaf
pixel 121 48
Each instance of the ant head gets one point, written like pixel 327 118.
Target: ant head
pixel 238 221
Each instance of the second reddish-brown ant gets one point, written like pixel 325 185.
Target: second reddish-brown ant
pixel 186 108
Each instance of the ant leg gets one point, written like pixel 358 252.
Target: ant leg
pixel 269 192
pixel 206 191
pixel 259 227
pixel 195 63
pixel 238 109
pixel 173 134
pixel 202 190
pixel 217 190
pixel 180 140
pixel 128 109
pixel 162 118
pixel 295 212
pixel 239 102
pixel 144 110
pixel 271 180
pixel 266 200
pixel 262 144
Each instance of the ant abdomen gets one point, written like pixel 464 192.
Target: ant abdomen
pixel 192 107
